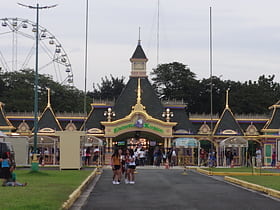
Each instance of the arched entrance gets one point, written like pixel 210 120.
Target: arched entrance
pixel 139 140
pixel 253 144
pixel 234 151
pixel 47 149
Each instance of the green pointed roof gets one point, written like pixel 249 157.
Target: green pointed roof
pixel 95 116
pixel 128 97
pixel 274 121
pixel 227 124
pixel 139 52
pixel 48 120
pixel 180 115
pixel 5 124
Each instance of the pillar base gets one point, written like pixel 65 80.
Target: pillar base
pixel 35 163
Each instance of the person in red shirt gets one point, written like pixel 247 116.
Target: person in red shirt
pixel 273 161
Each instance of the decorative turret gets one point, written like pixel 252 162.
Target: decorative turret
pixel 273 124
pixel 48 121
pixel 5 124
pixel 138 62
pixel 227 124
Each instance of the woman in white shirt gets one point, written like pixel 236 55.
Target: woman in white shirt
pixel 131 167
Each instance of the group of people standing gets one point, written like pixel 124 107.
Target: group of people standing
pixel 208 158
pixel 123 164
pixel 170 157
pixel 90 156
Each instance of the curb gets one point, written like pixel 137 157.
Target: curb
pixel 209 173
pixel 76 193
pixel 269 191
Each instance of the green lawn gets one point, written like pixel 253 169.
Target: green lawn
pixel 266 181
pixel 46 189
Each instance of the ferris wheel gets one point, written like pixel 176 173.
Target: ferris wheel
pixel 18 46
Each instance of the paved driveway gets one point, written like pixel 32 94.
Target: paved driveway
pixel 169 189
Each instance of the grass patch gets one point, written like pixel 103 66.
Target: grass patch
pixel 237 169
pixel 266 181
pixel 47 189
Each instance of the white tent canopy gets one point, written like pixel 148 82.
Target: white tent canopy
pixel 234 141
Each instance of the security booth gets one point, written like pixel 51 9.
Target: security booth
pixel 187 151
pixel 238 147
pixel 70 152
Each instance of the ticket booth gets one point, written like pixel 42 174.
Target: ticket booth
pixel 187 151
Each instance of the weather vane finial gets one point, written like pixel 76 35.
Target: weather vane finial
pixel 139 39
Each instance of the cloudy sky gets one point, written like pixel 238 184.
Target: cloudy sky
pixel 246 35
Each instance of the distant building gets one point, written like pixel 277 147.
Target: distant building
pixel 138 118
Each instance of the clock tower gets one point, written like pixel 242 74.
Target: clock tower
pixel 138 62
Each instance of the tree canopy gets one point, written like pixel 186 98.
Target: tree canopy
pixel 172 81
pixel 17 92
pixel 176 81
pixel 109 89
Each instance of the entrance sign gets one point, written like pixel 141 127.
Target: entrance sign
pixel 145 125
pixel 186 142
pixel 138 121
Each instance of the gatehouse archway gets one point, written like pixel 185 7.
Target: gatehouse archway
pixel 139 140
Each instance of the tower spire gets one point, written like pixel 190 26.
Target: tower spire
pixel 139 35
pixel 138 60
pixel 138 106
pixel 227 98
pixel 49 97
pixel 139 92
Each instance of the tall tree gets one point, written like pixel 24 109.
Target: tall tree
pixel 109 89
pixel 203 104
pixel 17 92
pixel 176 81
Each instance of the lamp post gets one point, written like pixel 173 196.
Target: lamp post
pixel 35 163
pixel 109 114
pixel 167 115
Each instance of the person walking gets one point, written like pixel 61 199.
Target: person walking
pixel 88 156
pixel 126 159
pixel 259 157
pixel 95 155
pixel 273 159
pixel 142 157
pixel 173 157
pixel 116 166
pixel 229 158
pixel 202 157
pixel 131 167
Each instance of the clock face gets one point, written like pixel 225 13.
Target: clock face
pixel 139 65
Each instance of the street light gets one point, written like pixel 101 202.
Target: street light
pixel 37 7
pixel 109 114
pixel 167 114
